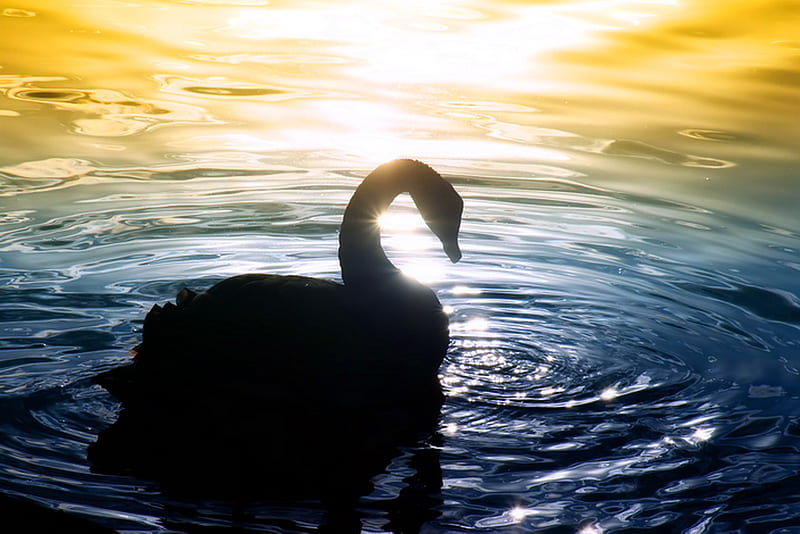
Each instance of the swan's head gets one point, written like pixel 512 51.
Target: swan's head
pixel 444 219
pixel 440 206
pixel 436 200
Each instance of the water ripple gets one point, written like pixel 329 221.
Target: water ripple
pixel 615 360
pixel 108 113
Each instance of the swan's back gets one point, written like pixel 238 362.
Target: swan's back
pixel 251 318
pixel 271 337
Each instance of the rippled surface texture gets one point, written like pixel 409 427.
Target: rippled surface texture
pixel 626 318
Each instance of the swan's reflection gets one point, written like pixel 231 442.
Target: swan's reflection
pixel 261 457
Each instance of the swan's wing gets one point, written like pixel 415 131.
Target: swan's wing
pixel 252 317
pixel 269 329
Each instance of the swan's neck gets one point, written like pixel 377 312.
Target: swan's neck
pixel 361 255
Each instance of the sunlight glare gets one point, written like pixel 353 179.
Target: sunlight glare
pixel 610 393
pixel 407 233
pixel 402 222
pixel 541 372
pixel 702 434
pixel 590 527
pixel 428 42
pixel 518 513
pixel 551 390
pixel 478 324
pixel 465 290
pixel 396 52
pixel 426 272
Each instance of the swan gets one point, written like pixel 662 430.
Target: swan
pixel 378 329
pixel 264 366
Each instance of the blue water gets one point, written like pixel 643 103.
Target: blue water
pixel 618 362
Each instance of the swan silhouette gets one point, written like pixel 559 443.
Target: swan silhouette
pixel 306 381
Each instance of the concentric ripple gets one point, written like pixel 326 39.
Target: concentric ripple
pixel 617 362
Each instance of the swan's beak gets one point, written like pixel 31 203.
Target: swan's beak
pixel 452 250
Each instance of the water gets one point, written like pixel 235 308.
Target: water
pixel 625 350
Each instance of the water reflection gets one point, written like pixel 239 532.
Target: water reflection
pixel 261 456
pixel 626 354
pixel 541 83
pixel 590 374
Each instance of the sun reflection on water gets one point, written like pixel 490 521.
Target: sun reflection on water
pixel 402 222
pixel 609 393
pixel 518 513
pixel 370 78
pixel 374 79
pixel 407 235
pixel 589 527
pixel 424 42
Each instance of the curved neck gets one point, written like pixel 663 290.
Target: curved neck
pixel 361 255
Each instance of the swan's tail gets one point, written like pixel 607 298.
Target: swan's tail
pixel 123 382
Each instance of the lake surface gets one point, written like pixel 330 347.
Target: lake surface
pixel 625 321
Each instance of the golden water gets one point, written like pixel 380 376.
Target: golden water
pixel 708 89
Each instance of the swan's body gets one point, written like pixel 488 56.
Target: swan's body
pixel 379 331
pixel 294 349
